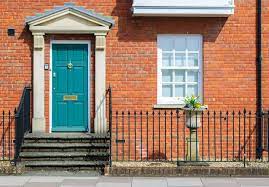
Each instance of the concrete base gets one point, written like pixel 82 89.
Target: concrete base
pixel 188 171
pixel 38 125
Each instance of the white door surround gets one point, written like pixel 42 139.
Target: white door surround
pixel 69 19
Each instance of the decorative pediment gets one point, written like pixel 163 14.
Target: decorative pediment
pixel 69 19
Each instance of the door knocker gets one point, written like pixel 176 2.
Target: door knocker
pixel 70 66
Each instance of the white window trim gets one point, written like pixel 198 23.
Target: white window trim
pixel 173 100
pixel 184 8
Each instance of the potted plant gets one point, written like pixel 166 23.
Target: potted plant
pixel 193 110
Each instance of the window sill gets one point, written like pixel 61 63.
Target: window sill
pixel 168 106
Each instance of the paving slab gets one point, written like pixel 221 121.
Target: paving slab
pixel 184 182
pixel 79 183
pixel 63 173
pixel 64 181
pixel 149 182
pixel 13 181
pixel 253 181
pixel 220 182
pixel 114 181
pixel 45 179
pixel 41 184
pixel 254 186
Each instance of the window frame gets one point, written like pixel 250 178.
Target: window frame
pixel 174 100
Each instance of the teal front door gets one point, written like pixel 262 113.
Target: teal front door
pixel 70 87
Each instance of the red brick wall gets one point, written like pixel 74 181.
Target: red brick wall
pixel 229 58
pixel 229 53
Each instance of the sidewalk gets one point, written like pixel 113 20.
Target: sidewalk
pixel 14 181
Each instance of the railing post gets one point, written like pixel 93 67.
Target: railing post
pixel 245 112
pixel 259 134
pixel 9 135
pixel 27 112
pixel 110 124
pixel 16 136
pixel 267 136
pixel 3 136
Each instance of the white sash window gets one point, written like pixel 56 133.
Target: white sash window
pixel 179 68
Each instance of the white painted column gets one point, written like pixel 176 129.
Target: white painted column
pixel 38 122
pixel 100 125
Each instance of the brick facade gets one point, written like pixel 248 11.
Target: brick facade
pixel 229 54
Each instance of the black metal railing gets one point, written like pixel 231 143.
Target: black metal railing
pixel 7 135
pixel 187 136
pixel 109 97
pixel 22 121
pixel 13 126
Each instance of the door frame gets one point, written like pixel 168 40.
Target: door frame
pixel 88 42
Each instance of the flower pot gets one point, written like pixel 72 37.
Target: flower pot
pixel 193 118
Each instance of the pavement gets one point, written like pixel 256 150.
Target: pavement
pixel 38 181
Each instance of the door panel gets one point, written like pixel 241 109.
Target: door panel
pixel 78 109
pixel 61 113
pixel 61 77
pixel 77 83
pixel 70 87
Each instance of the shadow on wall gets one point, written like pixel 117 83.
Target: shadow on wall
pixel 27 38
pixel 145 29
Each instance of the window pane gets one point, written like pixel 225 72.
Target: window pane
pixel 167 59
pixel 192 90
pixel 167 90
pixel 167 75
pixel 192 76
pixel 193 43
pixel 179 76
pixel 180 44
pixel 180 59
pixel 167 44
pixel 180 91
pixel 193 60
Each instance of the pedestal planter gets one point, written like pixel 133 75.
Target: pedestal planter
pixel 193 118
pixel 193 122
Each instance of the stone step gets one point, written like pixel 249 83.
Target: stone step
pixel 64 156
pixel 86 149
pixel 64 145
pixel 65 151
pixel 65 141
pixel 65 138
pixel 65 164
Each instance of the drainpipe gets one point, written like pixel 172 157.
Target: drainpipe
pixel 259 79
